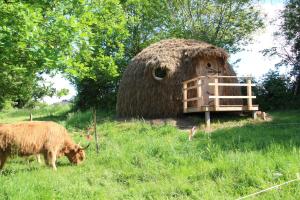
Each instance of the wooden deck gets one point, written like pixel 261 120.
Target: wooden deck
pixel 207 98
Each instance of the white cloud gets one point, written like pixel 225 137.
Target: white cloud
pixel 252 61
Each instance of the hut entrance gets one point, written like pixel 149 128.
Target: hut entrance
pixel 205 67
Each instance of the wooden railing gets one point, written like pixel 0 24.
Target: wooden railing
pixel 201 82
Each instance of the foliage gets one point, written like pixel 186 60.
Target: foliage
pixel 142 161
pixel 275 92
pixel 21 54
pixel 289 51
pixel 147 22
pixel 62 92
pixel 226 24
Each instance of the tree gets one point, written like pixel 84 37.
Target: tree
pixel 147 22
pixel 274 91
pixel 21 53
pixel 228 24
pixel 289 50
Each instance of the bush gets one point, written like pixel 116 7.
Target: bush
pixel 275 92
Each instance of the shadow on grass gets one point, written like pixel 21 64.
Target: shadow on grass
pixel 55 118
pixel 10 172
pixel 283 131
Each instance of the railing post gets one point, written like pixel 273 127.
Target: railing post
pixel 217 100
pixel 249 94
pixel 184 97
pixel 199 92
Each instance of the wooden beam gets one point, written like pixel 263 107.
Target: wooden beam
pixel 249 93
pixel 254 115
pixel 232 97
pixel 199 93
pixel 184 96
pixel 207 119
pixel 95 129
pixel 231 84
pixel 216 91
pixel 225 108
pixel 192 99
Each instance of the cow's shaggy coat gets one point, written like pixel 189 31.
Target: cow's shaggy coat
pixel 32 138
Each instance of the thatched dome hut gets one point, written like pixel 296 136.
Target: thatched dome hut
pixel 151 85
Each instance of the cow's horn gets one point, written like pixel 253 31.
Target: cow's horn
pixel 86 146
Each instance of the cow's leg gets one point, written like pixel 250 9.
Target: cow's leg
pixel 45 154
pixel 3 158
pixel 38 157
pixel 52 159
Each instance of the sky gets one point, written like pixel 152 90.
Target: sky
pixel 252 61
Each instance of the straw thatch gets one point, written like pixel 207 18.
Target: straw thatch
pixel 141 95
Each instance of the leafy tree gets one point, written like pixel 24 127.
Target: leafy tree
pixel 147 22
pixel 227 24
pixel 20 53
pixel 289 50
pixel 275 91
pixel 98 49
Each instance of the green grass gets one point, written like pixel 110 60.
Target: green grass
pixel 140 161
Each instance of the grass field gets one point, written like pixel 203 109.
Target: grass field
pixel 140 161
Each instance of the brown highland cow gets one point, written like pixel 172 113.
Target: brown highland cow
pixel 31 138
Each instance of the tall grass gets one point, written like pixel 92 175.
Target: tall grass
pixel 141 161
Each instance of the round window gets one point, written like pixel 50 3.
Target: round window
pixel 159 73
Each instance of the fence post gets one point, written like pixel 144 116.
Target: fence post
pixel 249 94
pixel 184 97
pixel 217 100
pixel 95 129
pixel 199 92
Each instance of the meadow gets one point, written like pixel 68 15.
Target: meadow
pixel 138 160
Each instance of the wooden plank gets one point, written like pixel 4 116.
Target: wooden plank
pixel 202 77
pixel 184 96
pixel 199 93
pixel 192 87
pixel 232 97
pixel 221 108
pixel 231 84
pixel 192 99
pixel 249 93
pixel 216 92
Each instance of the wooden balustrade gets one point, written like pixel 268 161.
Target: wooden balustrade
pixel 201 82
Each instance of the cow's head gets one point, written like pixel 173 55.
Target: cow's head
pixel 75 154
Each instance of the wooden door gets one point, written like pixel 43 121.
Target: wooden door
pixel 209 67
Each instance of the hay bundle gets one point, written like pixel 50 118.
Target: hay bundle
pixel 151 85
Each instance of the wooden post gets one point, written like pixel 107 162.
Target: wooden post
pixel 207 119
pixel 249 94
pixel 95 130
pixel 254 115
pixel 184 97
pixel 217 100
pixel 199 93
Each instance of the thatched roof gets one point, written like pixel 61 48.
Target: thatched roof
pixel 169 53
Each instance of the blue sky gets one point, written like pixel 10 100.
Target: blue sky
pixel 252 61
